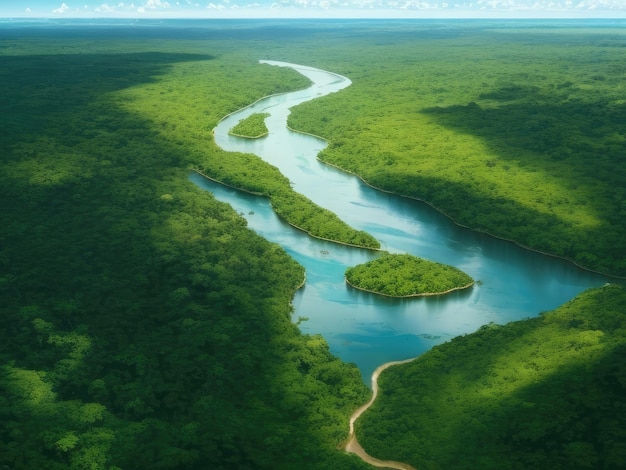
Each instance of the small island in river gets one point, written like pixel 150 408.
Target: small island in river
pixel 252 127
pixel 404 275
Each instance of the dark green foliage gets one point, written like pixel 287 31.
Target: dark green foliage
pixel 403 275
pixel 142 325
pixel 251 127
pixel 548 392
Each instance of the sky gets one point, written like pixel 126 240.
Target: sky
pixel 312 8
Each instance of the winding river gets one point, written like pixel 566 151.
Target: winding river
pixel 364 328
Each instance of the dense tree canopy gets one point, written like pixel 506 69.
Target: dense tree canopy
pixel 142 324
pixel 547 392
pixel 515 131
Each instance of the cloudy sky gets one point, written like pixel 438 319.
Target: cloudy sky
pixel 312 8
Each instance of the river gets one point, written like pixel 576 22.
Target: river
pixel 363 328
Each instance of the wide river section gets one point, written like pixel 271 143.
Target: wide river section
pixel 363 328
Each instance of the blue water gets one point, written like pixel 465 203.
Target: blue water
pixel 364 328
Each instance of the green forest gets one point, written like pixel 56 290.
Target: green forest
pixel 515 131
pixel 252 127
pixel 404 275
pixel 144 325
pixel 547 392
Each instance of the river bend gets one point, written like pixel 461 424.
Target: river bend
pixel 363 328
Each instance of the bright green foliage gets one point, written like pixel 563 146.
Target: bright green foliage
pixel 404 275
pixel 549 392
pixel 318 222
pixel 514 130
pixel 249 173
pixel 178 117
pixel 251 127
pixel 142 324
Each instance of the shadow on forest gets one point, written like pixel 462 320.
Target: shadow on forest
pixel 191 353
pixel 525 124
pixel 569 135
pixel 37 89
pixel 574 425
pixel 539 393
pixel 564 417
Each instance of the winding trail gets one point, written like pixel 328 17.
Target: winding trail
pixel 353 445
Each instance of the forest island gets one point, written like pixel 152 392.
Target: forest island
pixel 404 275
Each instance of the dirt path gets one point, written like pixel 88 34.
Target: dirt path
pixel 353 445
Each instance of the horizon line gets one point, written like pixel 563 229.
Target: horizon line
pixel 493 15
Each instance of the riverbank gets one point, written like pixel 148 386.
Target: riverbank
pixel 254 193
pixel 424 294
pixel 453 220
pixel 307 208
pixel 252 137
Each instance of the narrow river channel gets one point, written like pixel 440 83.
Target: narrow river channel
pixel 363 328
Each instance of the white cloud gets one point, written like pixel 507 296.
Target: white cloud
pixel 105 8
pixel 62 9
pixel 210 8
pixel 152 4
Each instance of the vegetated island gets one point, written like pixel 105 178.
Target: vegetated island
pixel 252 127
pixel 404 275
